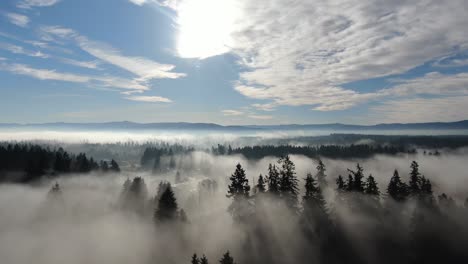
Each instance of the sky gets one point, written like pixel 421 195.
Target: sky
pixel 233 62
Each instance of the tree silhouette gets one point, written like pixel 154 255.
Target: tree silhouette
pixel 288 182
pixel 415 178
pixel 341 185
pixel 167 206
pixel 261 186
pixel 321 176
pixel 355 183
pixel 195 259
pixel 238 189
pixel 273 179
pixel 204 260
pixel 397 189
pixel 371 187
pixel 114 166
pixel 227 259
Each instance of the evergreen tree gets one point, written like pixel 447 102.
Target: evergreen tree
pixel 227 259
pixel 321 173
pixel 356 184
pixel 288 182
pixel 104 166
pixel 204 260
pixel 239 189
pixel 167 206
pixel 371 187
pixel 114 166
pixel 239 183
pixel 397 189
pixel 349 183
pixel 261 186
pixel 273 179
pixel 341 186
pixel 415 178
pixel 195 259
pixel 313 198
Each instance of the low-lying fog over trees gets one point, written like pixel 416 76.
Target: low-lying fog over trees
pixel 186 203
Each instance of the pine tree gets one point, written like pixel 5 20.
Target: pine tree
pixel 227 259
pixel 371 187
pixel 288 182
pixel 321 173
pixel 349 183
pixel 261 186
pixel 195 259
pixel 239 183
pixel 397 189
pixel 104 166
pixel 273 179
pixel 415 179
pixel 204 260
pixel 341 186
pixel 239 189
pixel 357 184
pixel 313 198
pixel 167 206
pixel 114 166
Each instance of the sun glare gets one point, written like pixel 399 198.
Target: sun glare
pixel 205 27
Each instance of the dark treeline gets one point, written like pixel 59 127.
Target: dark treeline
pixel 34 161
pixel 403 224
pixel 408 141
pixel 152 157
pixel 329 151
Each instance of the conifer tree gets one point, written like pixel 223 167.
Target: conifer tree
pixel 273 179
pixel 239 189
pixel 313 198
pixel 397 189
pixel 195 259
pixel 114 166
pixel 227 259
pixel 204 260
pixel 341 186
pixel 371 187
pixel 321 173
pixel 261 186
pixel 356 184
pixel 415 178
pixel 288 182
pixel 167 206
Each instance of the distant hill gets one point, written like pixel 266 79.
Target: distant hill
pixel 125 125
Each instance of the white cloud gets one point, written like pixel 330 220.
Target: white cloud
pixel 232 112
pixel 265 107
pixel 18 19
pixel 138 2
pixel 149 99
pixel 414 110
pixel 44 74
pixel 47 74
pixel 27 4
pixel 84 64
pixel 20 50
pixel 302 52
pixel 261 117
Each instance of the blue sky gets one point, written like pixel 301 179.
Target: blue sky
pixel 233 61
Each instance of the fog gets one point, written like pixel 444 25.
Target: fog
pixel 87 224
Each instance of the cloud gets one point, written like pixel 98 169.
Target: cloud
pixel 232 112
pixel 20 50
pixel 145 69
pixel 261 117
pixel 27 4
pixel 149 99
pixel 413 110
pixel 18 19
pixel 84 64
pixel 138 2
pixel 46 74
pixel 303 52
pixel 264 107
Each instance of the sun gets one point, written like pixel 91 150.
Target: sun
pixel 205 27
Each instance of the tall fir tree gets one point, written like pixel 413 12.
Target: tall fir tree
pixel 261 185
pixel 273 179
pixel 227 259
pixel 321 176
pixel 357 183
pixel 397 189
pixel 371 187
pixel 415 179
pixel 167 207
pixel 340 184
pixel 204 260
pixel 195 259
pixel 288 182
pixel 313 198
pixel 239 189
